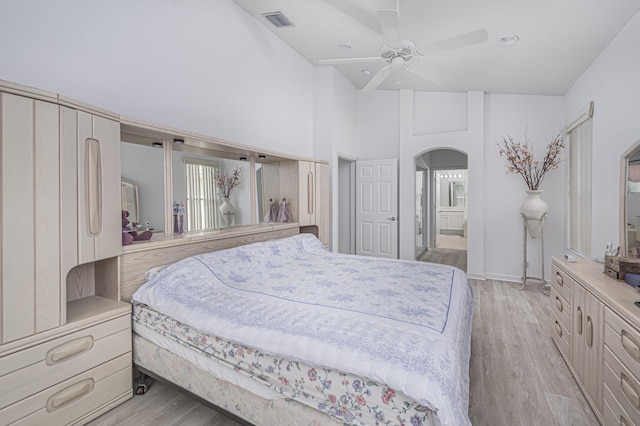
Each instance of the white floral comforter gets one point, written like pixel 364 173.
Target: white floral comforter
pixel 403 323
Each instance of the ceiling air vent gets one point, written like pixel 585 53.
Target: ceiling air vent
pixel 278 19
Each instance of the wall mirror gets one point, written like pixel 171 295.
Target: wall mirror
pixel 143 165
pixel 630 202
pixel 196 196
pixel 268 191
pixel 451 188
pixel 129 200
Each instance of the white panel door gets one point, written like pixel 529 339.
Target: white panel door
pixel 377 208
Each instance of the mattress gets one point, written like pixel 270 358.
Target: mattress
pixel 403 324
pixel 345 398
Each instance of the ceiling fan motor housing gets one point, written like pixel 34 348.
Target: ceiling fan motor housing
pixel 405 52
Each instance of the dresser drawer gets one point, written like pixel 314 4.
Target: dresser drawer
pixel 560 336
pixel 43 365
pixel 612 411
pixel 623 340
pixel 70 400
pixel 623 385
pixel 561 308
pixel 560 281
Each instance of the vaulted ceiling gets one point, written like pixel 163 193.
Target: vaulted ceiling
pixel 557 40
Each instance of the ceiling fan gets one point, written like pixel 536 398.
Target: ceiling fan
pixel 399 53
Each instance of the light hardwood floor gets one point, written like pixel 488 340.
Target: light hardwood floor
pixel 517 374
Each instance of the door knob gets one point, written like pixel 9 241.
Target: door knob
pixel 392 219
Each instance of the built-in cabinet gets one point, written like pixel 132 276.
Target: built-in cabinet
pixel 601 343
pixel 29 216
pixel 65 340
pixel 91 174
pixel 313 196
pixel 307 193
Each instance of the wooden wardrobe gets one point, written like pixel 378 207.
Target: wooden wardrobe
pixel 65 338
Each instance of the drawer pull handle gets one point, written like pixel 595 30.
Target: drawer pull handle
pixel 630 391
pixel 69 394
pixel 589 332
pixel 69 349
pixel 558 303
pixel 558 329
pixel 631 346
pixel 579 320
pixel 559 279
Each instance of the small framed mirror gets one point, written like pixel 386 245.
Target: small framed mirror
pixel 129 200
pixel 630 202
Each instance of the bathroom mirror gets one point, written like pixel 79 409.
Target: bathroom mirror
pixel 630 202
pixel 143 164
pixel 196 195
pixel 451 188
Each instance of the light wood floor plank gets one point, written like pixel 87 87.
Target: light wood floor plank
pixel 517 374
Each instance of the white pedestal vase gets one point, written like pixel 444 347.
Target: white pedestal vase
pixel 227 211
pixel 533 210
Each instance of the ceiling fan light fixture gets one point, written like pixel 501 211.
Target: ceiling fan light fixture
pixel 508 40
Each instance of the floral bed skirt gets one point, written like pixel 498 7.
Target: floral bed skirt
pixel 308 395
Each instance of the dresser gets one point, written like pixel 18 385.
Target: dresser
pixel 65 337
pixel 596 327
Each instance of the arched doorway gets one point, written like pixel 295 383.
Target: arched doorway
pixel 441 207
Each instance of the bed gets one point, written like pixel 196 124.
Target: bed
pixel 286 332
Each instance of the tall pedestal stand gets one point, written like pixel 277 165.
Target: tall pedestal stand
pixel 525 277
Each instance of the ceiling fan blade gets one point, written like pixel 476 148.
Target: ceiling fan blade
pixel 427 73
pixel 356 13
pixel 350 60
pixel 462 40
pixel 377 79
pixel 390 24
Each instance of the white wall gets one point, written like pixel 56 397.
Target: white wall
pixel 335 133
pixel 613 84
pixel 542 118
pixel 196 65
pixel 378 125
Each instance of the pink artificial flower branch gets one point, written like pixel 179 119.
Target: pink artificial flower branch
pixel 226 184
pixel 520 158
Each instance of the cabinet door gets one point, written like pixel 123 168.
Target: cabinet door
pixel 29 216
pixel 322 202
pixel 91 149
pixel 594 347
pixel 306 193
pixel 587 342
